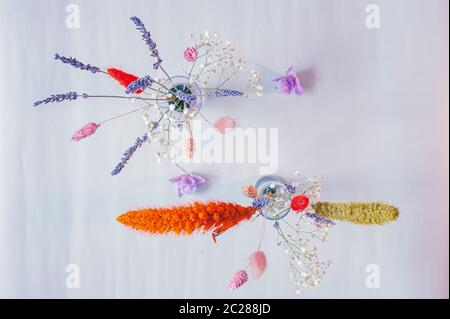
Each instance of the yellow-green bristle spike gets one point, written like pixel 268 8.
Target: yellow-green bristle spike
pixel 358 213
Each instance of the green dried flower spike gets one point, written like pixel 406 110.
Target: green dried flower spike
pixel 358 213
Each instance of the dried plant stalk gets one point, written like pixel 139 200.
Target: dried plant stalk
pixel 189 148
pixel 358 213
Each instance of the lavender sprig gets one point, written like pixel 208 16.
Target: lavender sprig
pixel 128 153
pixel 188 98
pixel 140 84
pixel 69 96
pixel 320 220
pixel 290 188
pixel 260 202
pixel 226 92
pixel 148 40
pixel 77 64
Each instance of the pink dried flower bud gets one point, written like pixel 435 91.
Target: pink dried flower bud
pixel 250 191
pixel 258 263
pixel 224 124
pixel 189 148
pixel 190 54
pixel 239 278
pixel 85 131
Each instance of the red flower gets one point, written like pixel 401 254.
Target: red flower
pixel 123 78
pixel 299 203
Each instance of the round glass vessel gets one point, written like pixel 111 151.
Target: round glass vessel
pixel 279 198
pixel 181 83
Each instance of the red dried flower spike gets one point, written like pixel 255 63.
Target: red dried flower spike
pixel 123 78
pixel 299 203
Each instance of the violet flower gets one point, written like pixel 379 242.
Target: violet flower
pixel 290 82
pixel 188 183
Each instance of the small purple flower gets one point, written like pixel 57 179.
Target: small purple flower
pixel 139 84
pixel 69 96
pixel 188 183
pixel 290 82
pixel 77 64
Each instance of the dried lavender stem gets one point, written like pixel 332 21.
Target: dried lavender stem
pixel 167 75
pixel 127 97
pixel 118 116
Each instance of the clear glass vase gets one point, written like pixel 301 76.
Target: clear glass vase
pixel 181 83
pixel 279 198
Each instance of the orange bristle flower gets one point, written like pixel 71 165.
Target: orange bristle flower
pixel 185 219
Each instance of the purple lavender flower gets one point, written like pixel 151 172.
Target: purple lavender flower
pixel 188 183
pixel 226 92
pixel 69 96
pixel 290 82
pixel 260 202
pixel 320 220
pixel 191 99
pixel 154 125
pixel 128 153
pixel 290 188
pixel 140 84
pixel 77 64
pixel 148 40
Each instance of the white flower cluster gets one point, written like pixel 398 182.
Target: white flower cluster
pixel 164 124
pixel 306 270
pixel 255 84
pixel 215 61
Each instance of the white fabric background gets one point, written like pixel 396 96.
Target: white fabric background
pixel 373 123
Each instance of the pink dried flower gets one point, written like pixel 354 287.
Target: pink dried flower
pixel 250 191
pixel 224 123
pixel 258 263
pixel 239 278
pixel 189 148
pixel 85 131
pixel 190 54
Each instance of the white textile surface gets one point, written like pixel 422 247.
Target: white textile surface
pixel 373 123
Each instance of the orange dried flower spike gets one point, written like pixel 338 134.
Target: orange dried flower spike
pixel 185 219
